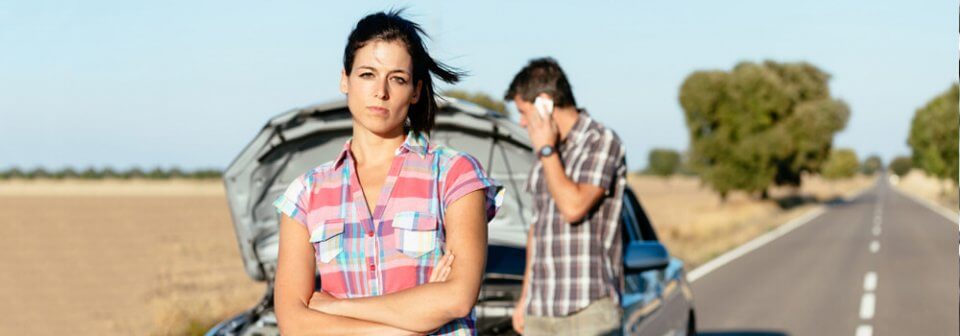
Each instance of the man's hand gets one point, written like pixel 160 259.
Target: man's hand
pixel 518 312
pixel 542 131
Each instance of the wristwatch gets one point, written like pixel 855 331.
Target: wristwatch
pixel 545 151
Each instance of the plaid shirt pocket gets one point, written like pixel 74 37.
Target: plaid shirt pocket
pixel 328 239
pixel 416 232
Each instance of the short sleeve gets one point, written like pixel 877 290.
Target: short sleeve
pixel 293 202
pixel 604 155
pixel 465 175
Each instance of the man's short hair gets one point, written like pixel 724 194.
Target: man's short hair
pixel 542 75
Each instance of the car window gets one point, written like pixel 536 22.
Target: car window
pixel 629 222
pixel 642 222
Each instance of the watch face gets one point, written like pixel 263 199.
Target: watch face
pixel 546 151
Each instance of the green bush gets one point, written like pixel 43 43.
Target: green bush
pixel 841 163
pixel 901 165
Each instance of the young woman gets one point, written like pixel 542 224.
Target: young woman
pixel 383 220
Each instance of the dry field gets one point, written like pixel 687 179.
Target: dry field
pixel 118 258
pixel 941 192
pixel 697 226
pixel 160 257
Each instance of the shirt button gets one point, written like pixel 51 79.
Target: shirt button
pixel 373 267
pixel 370 234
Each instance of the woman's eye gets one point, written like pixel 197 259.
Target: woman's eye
pixel 400 80
pixel 366 75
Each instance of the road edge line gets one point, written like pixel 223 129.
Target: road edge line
pixel 765 238
pixel 753 244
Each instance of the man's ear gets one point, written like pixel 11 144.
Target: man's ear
pixel 416 93
pixel 344 81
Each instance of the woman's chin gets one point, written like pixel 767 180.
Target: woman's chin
pixel 383 128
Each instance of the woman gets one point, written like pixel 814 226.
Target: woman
pixel 377 219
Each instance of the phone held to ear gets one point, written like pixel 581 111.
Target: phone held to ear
pixel 544 106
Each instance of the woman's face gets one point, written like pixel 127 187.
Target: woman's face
pixel 380 87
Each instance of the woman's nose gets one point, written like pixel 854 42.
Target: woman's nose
pixel 382 91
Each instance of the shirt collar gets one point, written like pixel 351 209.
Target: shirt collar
pixel 415 142
pixel 579 128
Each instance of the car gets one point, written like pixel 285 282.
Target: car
pixel 656 297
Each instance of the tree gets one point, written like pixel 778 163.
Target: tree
pixel 934 134
pixel 841 163
pixel 663 162
pixel 481 99
pixel 871 165
pixel 760 124
pixel 901 165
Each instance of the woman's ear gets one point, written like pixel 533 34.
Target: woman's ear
pixel 344 81
pixel 416 93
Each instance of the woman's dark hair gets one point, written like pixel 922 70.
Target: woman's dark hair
pixel 389 27
pixel 542 75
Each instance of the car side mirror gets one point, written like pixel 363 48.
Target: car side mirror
pixel 645 255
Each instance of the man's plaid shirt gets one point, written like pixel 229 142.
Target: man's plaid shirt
pixel 574 264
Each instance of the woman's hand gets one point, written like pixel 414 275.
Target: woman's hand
pixel 320 301
pixel 442 270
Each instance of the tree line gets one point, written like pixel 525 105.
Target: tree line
pixel 92 173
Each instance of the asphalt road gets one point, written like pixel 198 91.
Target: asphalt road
pixel 881 264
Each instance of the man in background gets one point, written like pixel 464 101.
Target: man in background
pixel 571 285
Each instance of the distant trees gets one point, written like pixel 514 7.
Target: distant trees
pixel 901 165
pixel 842 163
pixel 479 98
pixel 871 165
pixel 760 124
pixel 663 162
pixel 92 173
pixel 933 135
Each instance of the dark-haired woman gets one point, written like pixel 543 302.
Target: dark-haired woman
pixel 383 220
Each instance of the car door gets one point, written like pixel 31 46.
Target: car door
pixel 641 298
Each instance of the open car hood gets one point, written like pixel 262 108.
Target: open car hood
pixel 301 139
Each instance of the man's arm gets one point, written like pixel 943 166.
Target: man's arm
pixel 574 200
pixel 429 306
pixel 518 309
pixel 294 287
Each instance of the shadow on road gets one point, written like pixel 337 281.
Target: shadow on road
pixel 792 201
pixel 741 333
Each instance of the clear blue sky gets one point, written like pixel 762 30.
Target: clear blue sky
pixel 189 83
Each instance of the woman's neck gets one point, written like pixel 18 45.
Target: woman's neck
pixel 368 147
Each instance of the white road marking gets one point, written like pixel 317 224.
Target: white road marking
pixel 874 246
pixel 864 330
pixel 867 306
pixel 876 220
pixel 756 243
pixel 876 230
pixel 870 281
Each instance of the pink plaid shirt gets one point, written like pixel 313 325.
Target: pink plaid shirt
pixel 362 253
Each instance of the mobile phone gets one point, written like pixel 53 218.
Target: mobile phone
pixel 544 106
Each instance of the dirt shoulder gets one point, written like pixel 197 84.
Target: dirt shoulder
pixel 938 191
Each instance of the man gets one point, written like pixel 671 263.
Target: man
pixel 574 267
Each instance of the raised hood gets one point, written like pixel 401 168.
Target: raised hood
pixel 298 140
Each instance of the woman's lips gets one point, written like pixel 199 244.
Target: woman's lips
pixel 378 110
